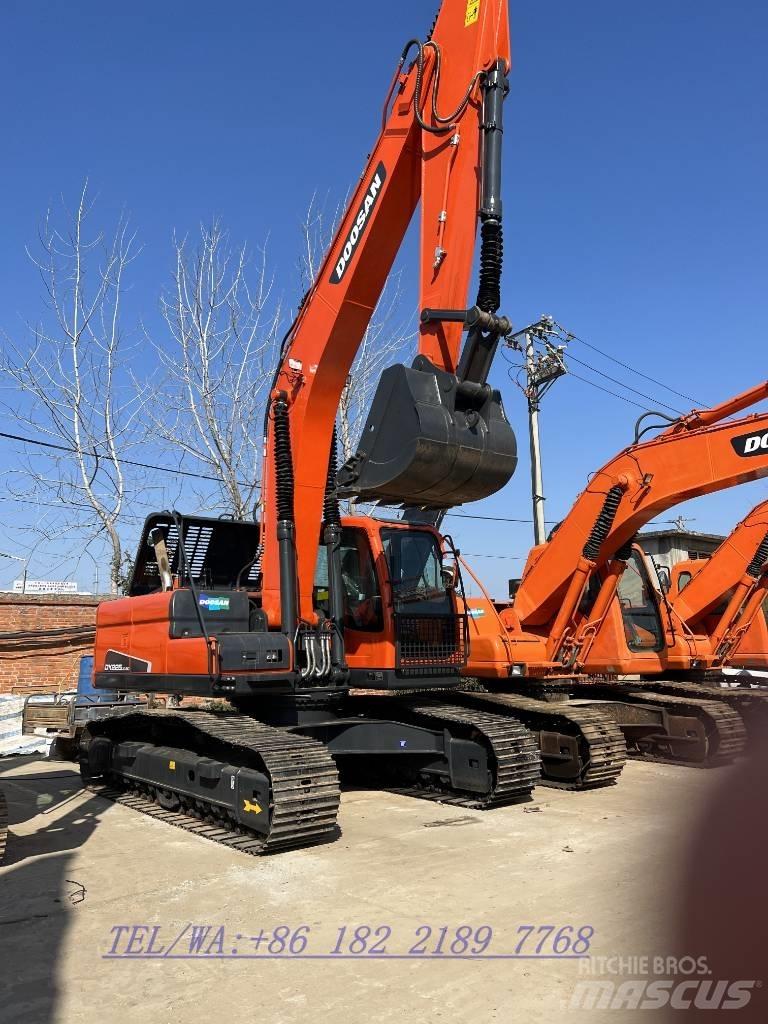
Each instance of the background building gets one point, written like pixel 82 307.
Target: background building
pixel 668 547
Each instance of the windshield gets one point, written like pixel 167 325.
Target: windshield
pixel 642 623
pixel 415 567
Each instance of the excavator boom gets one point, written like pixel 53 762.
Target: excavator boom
pixel 439 143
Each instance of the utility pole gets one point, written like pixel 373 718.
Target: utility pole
pixel 541 371
pixel 537 480
pixel 25 563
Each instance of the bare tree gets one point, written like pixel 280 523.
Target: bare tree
pixel 222 323
pixel 71 385
pixel 219 353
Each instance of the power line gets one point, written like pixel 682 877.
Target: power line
pixel 615 380
pixel 127 462
pixel 567 337
pixel 639 373
pixel 600 387
pixel 509 558
pixel 550 522
pixel 495 519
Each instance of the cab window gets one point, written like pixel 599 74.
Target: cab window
pixel 683 580
pixel 642 622
pixel 415 570
pixel 362 597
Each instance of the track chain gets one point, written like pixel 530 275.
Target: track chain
pixel 752 705
pixel 513 748
pixel 303 777
pixel 606 751
pixel 726 730
pixel 3 824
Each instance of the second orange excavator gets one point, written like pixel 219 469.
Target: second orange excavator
pixel 564 634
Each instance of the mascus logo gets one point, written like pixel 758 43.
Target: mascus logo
pixel 750 444
pixel 356 231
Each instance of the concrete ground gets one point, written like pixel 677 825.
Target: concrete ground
pixel 77 867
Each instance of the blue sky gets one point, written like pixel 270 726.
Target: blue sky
pixel 634 194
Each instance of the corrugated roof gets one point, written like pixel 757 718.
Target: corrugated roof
pixel 681 535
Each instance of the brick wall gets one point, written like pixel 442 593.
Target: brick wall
pixel 41 659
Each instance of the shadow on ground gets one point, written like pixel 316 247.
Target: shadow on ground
pixel 39 890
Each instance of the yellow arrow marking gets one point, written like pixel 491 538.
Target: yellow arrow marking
pixel 251 806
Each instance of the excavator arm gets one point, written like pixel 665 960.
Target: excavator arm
pixel 737 574
pixel 739 562
pixel 439 143
pixel 697 455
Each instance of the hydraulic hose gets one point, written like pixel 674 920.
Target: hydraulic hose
pixel 331 512
pixel 625 551
pixel 755 567
pixel 283 461
pixel 603 523
pixel 286 526
pixel 332 540
pixel 491 259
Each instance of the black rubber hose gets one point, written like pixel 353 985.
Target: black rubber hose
pixel 755 567
pixel 331 510
pixel 625 551
pixel 491 259
pixel 283 461
pixel 603 523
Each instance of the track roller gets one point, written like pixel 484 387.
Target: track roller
pixel 751 705
pixel 225 777
pixel 674 729
pixel 483 761
pixel 581 747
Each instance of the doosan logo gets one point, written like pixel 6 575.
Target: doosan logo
pixel 750 444
pixel 356 232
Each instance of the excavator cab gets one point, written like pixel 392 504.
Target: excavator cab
pixel 193 622
pixel 404 627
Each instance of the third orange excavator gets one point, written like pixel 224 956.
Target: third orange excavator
pixel 724 596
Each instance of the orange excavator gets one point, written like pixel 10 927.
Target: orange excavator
pixel 724 596
pixel 567 631
pixel 281 617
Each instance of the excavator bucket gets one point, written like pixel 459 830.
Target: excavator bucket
pixel 430 440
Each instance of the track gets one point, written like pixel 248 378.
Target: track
pixel 517 762
pixel 304 786
pixel 3 824
pixel 752 705
pixel 514 759
pixel 720 732
pixel 726 734
pixel 595 746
